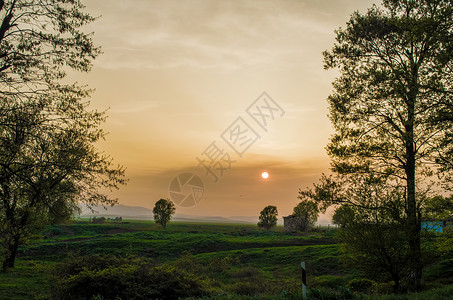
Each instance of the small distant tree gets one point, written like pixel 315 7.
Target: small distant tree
pixel 343 215
pixel 307 212
pixel 268 217
pixel 163 210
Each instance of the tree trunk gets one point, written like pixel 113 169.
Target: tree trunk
pixel 397 286
pixel 10 255
pixel 413 221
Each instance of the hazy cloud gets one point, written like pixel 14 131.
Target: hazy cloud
pixel 210 34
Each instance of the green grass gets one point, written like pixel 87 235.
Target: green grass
pixel 236 258
pixel 28 280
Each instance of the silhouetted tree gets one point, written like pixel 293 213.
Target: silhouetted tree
pixel 392 106
pixel 48 159
pixel 343 215
pixel 307 213
pixel 268 217
pixel 376 245
pixel 163 210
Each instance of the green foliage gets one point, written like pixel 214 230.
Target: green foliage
pixel 131 278
pixel 163 210
pixel 376 247
pixel 439 207
pixel 395 62
pixel 268 217
pixel 307 213
pixel 48 158
pixel 343 215
pixel 240 259
pixel 330 294
pixel 444 242
pixel 362 285
pixel 250 281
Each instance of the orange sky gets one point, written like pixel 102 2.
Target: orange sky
pixel 176 74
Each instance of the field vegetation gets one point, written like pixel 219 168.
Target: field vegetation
pixel 141 260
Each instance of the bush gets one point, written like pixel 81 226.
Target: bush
pixel 330 294
pixel 383 288
pixel 329 281
pixel 361 285
pixel 110 277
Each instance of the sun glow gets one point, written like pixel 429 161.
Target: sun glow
pixel 265 175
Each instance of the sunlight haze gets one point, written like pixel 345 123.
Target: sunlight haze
pixel 175 74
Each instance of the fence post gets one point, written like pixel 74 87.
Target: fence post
pixel 304 281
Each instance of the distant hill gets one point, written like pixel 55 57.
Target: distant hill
pixel 143 213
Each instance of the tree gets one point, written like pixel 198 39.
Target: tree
pixel 392 105
pixel 438 207
pixel 372 228
pixel 375 247
pixel 307 212
pixel 268 217
pixel 163 210
pixel 48 158
pixel 343 215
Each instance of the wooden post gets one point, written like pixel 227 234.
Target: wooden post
pixel 304 281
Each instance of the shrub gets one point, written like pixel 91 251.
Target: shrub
pixel 110 277
pixel 330 294
pixel 361 285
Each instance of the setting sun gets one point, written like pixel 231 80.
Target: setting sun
pixel 265 175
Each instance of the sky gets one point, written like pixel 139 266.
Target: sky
pixel 182 80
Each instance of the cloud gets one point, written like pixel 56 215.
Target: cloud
pixel 128 108
pixel 209 34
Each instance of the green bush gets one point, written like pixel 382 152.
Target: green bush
pixel 361 285
pixel 247 288
pixel 330 294
pixel 383 288
pixel 110 277
pixel 329 281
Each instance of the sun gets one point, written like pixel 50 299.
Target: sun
pixel 265 175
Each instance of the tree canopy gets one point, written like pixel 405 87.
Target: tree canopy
pixel 163 211
pixel 48 157
pixel 307 213
pixel 268 217
pixel 392 109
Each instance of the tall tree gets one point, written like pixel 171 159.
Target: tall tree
pixel 163 210
pixel 268 217
pixel 392 104
pixel 47 130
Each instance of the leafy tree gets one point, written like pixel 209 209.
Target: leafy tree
pixel 372 231
pixel 343 215
pixel 268 217
pixel 163 210
pixel 48 161
pixel 439 207
pixel 307 212
pixel 392 108
pixel 370 243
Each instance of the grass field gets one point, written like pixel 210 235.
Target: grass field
pixel 238 260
